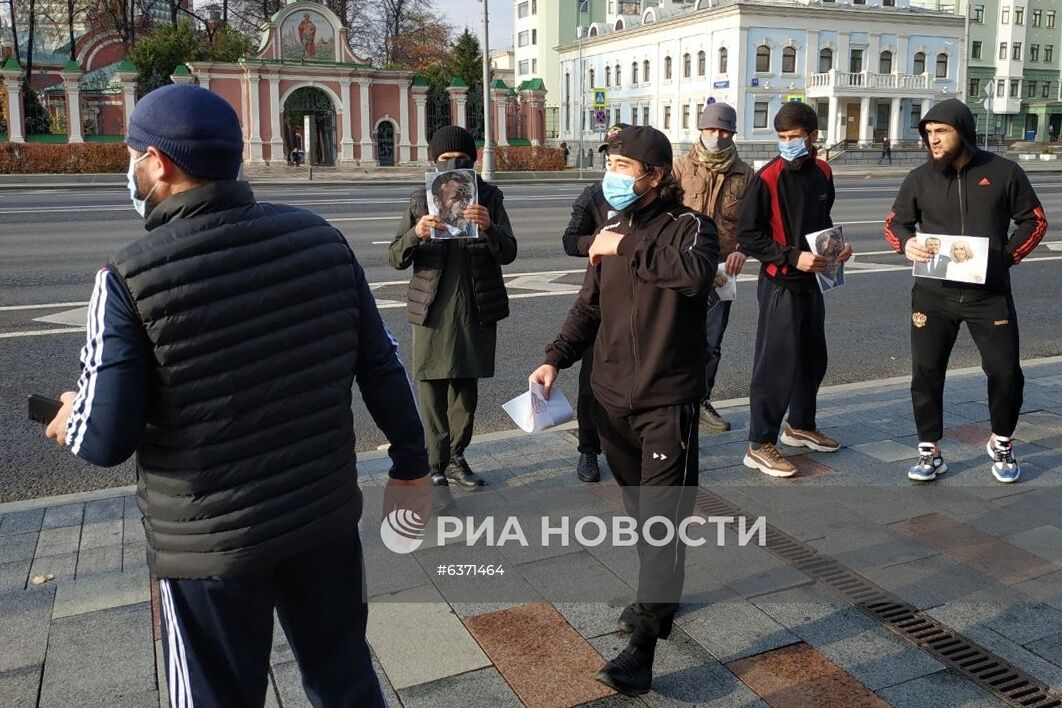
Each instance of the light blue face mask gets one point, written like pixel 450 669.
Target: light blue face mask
pixel 793 149
pixel 139 204
pixel 619 190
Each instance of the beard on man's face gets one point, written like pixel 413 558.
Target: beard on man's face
pixel 945 162
pixel 152 200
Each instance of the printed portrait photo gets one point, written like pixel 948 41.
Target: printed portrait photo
pixel 963 259
pixel 449 194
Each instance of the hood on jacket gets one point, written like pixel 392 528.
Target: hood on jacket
pixel 955 113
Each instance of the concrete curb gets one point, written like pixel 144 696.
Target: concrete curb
pixel 115 181
pixel 79 497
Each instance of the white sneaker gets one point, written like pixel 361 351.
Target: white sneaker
pixel 1004 467
pixel 930 465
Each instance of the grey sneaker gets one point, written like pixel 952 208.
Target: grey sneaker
pixel 930 465
pixel 712 420
pixel 1004 467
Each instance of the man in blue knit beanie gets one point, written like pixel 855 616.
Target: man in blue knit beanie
pixel 222 349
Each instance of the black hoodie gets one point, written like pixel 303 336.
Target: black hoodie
pixel 980 200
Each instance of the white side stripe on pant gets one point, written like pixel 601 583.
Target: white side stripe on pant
pixel 177 671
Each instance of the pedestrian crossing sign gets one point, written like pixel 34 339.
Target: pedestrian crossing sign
pixel 600 98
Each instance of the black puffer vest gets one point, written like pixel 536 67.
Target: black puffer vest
pixel 429 259
pixel 248 456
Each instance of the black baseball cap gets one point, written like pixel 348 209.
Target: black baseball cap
pixel 610 136
pixel 644 144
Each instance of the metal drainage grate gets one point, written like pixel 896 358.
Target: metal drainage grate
pixel 982 667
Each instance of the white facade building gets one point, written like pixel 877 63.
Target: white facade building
pixel 871 69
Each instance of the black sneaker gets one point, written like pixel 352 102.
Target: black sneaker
pixel 441 497
pixel 630 673
pixel 587 469
pixel 625 623
pixel 712 420
pixel 460 474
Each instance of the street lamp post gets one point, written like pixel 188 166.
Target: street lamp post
pixel 582 89
pixel 487 171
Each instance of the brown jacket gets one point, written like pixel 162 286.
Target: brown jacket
pixel 723 204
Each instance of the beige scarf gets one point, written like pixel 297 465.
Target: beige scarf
pixel 716 162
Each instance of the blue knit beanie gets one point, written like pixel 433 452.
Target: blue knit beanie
pixel 194 127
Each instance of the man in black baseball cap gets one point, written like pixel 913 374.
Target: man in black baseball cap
pixel 589 212
pixel 647 389
pixel 610 136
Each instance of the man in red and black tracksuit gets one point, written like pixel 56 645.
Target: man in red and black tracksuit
pixel 643 307
pixel 965 191
pixel 589 212
pixel 791 197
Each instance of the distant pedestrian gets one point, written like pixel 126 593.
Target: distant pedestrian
pixel 222 349
pixel 886 151
pixel 566 151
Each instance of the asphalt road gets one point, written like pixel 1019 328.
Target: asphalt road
pixel 53 241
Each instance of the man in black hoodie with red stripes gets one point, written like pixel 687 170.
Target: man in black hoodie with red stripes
pixel 965 191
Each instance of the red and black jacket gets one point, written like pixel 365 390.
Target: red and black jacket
pixel 982 199
pixel 784 204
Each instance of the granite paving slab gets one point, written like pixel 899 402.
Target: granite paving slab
pixel 540 655
pixel 101 658
pixel 418 638
pixel 797 676
pixel 973 548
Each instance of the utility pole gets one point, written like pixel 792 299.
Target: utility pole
pixel 582 90
pixel 487 171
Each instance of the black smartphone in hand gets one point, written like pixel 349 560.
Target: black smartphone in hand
pixel 43 409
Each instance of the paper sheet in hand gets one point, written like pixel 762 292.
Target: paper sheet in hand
pixel 728 290
pixel 533 413
pixel 828 243
pixel 449 194
pixel 962 259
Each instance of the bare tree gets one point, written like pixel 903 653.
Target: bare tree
pixel 14 29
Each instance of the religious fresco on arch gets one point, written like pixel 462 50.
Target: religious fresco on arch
pixel 306 34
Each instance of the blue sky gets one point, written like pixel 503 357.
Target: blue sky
pixel 462 13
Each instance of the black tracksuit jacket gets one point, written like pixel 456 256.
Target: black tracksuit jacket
pixel 784 204
pixel 646 308
pixel 980 200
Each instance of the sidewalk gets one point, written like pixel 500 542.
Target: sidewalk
pixel 410 177
pixel 968 569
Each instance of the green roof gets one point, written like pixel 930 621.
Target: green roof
pixel 300 62
pixel 498 84
pixel 11 63
pixel 72 66
pixel 126 65
pixel 419 80
pixel 512 92
pixel 458 82
pixel 182 70
pixel 533 85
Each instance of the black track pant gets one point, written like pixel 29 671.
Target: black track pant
pixel 218 634
pixel 993 324
pixel 790 360
pixel 588 437
pixel 653 455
